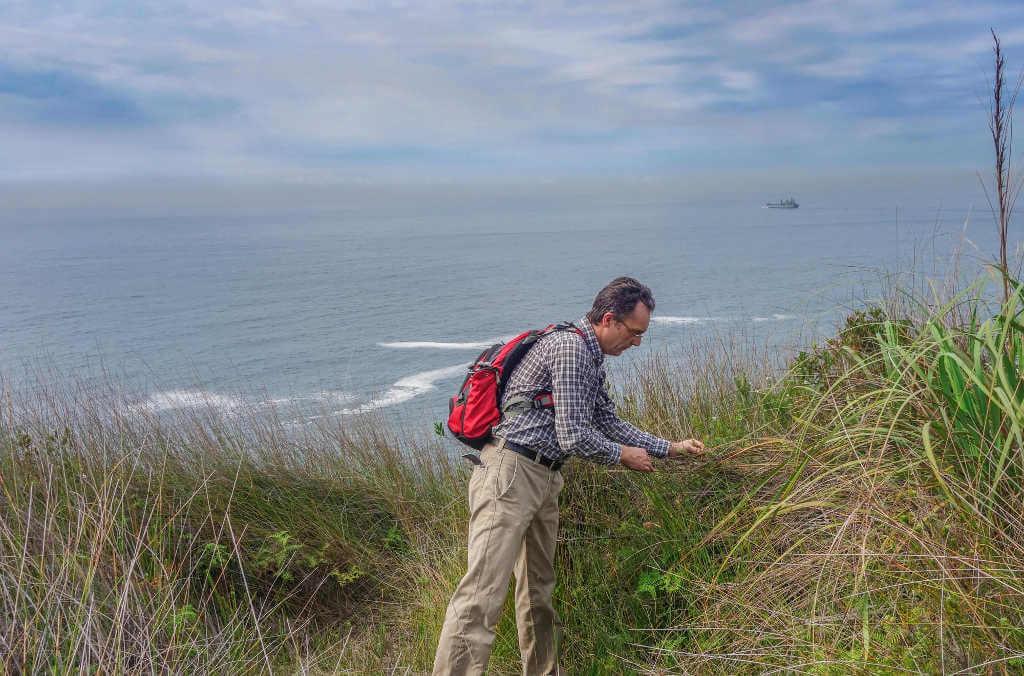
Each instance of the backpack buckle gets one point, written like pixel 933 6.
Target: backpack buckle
pixel 544 400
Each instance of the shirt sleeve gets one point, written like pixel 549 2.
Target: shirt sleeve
pixel 574 387
pixel 623 432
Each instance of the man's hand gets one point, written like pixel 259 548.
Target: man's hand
pixel 682 449
pixel 636 459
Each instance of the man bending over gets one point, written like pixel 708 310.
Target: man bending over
pixel 513 494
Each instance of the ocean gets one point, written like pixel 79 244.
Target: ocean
pixel 374 301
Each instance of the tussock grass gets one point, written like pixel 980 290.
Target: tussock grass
pixel 880 524
pixel 130 542
pixel 860 511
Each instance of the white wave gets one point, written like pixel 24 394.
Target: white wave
pixel 418 344
pixel 774 318
pixel 332 397
pixel 438 345
pixel 175 399
pixel 408 388
pixel 685 320
pixel 703 320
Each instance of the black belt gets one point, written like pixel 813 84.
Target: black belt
pixel 553 465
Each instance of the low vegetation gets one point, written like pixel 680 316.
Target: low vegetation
pixel 860 510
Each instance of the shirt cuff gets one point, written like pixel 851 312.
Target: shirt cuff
pixel 659 448
pixel 615 456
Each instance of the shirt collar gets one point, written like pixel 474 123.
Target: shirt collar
pixel 590 338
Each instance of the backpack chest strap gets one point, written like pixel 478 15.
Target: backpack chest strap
pixel 517 405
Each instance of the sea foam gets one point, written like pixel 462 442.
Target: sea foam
pixel 668 319
pixel 176 399
pixel 440 345
pixel 409 387
pixel 329 397
pixel 703 320
pixel 774 318
pixel 423 344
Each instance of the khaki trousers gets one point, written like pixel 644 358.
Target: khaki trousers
pixel 513 523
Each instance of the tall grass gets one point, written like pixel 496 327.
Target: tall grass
pixel 861 510
pixel 879 529
pixel 129 542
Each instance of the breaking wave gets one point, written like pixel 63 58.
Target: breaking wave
pixel 177 399
pixel 424 344
pixel 685 320
pixel 409 387
pixel 774 318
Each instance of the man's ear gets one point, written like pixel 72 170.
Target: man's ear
pixel 607 318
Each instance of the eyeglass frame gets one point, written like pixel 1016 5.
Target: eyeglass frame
pixel 636 333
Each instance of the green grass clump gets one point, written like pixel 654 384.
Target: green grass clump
pixel 859 511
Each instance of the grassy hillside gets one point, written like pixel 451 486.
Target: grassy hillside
pixel 859 511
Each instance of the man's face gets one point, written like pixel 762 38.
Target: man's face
pixel 622 334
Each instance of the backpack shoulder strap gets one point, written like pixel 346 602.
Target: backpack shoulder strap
pixel 563 326
pixel 521 404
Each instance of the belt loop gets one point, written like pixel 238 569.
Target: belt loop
pixel 501 445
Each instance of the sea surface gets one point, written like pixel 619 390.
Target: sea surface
pixel 377 305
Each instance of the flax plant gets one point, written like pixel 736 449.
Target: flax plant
pixel 974 374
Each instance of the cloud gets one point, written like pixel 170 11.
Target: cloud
pixel 365 88
pixel 53 97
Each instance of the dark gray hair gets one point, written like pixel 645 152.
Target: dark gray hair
pixel 620 297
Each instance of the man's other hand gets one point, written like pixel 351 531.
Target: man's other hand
pixel 682 449
pixel 636 459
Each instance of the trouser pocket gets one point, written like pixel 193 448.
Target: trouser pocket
pixel 505 474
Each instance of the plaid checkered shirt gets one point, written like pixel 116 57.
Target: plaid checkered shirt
pixel 583 422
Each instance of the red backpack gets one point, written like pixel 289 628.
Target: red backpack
pixel 476 409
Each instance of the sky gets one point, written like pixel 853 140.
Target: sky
pixel 325 90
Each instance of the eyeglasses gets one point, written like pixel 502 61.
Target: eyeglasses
pixel 637 333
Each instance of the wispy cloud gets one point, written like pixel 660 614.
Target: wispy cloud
pixel 363 88
pixel 55 97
